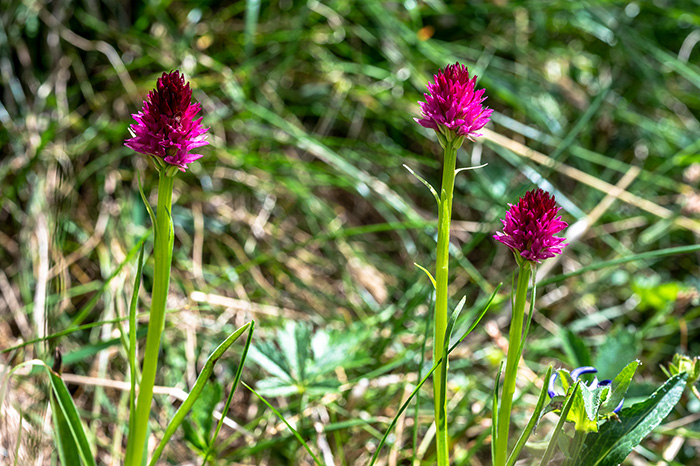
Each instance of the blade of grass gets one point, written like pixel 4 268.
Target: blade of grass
pixel 68 416
pixel 427 272
pixel 70 412
pixel 430 372
pixel 252 12
pixel 85 310
pixel 68 331
pixel 532 423
pixel 494 410
pixel 427 185
pixel 133 366
pixel 202 379
pixel 239 371
pixel 623 260
pixel 560 425
pixel 416 409
pixel 292 429
pixel 65 443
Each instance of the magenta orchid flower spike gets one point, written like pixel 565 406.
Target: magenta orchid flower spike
pixel 452 104
pixel 166 127
pixel 530 226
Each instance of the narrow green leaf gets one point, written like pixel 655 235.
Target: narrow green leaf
pixel 133 357
pixel 72 420
pixel 659 253
pixel 470 168
pixel 430 372
pixel 289 426
pixel 445 361
pixel 65 443
pixel 560 425
pixel 615 440
pixel 252 12
pixel 62 333
pixel 427 185
pixel 619 387
pixel 147 204
pixel 532 423
pixel 196 390
pixel 478 319
pixel 494 410
pixel 430 276
pixel 236 380
pixel 201 415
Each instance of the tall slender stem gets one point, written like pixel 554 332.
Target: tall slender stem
pixel 441 279
pixel 512 360
pixel 163 253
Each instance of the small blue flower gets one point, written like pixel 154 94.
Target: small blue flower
pixel 575 374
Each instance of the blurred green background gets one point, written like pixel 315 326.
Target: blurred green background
pixel 301 216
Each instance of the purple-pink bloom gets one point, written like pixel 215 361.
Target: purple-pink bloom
pixel 530 226
pixel 451 102
pixel 166 127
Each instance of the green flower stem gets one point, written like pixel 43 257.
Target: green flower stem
pixel 163 254
pixel 441 282
pixel 512 360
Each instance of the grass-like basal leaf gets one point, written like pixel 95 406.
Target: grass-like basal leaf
pixel 202 379
pixel 236 380
pixel 430 372
pixel 68 421
pixel 532 422
pixel 560 425
pixel 494 411
pixel 427 272
pixel 65 442
pixel 289 426
pixel 133 357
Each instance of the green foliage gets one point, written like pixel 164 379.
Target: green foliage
pixel 618 388
pixel 310 106
pixel 539 408
pixel 681 364
pixel 593 403
pixel 198 428
pixel 197 392
pixel 619 347
pixel 616 439
pixel 300 362
pixel 68 420
pixel 658 296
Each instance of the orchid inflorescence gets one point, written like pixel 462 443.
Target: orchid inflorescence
pixel 165 127
pixel 530 227
pixel 452 105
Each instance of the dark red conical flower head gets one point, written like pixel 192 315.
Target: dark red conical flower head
pixel 452 104
pixel 166 127
pixel 530 226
